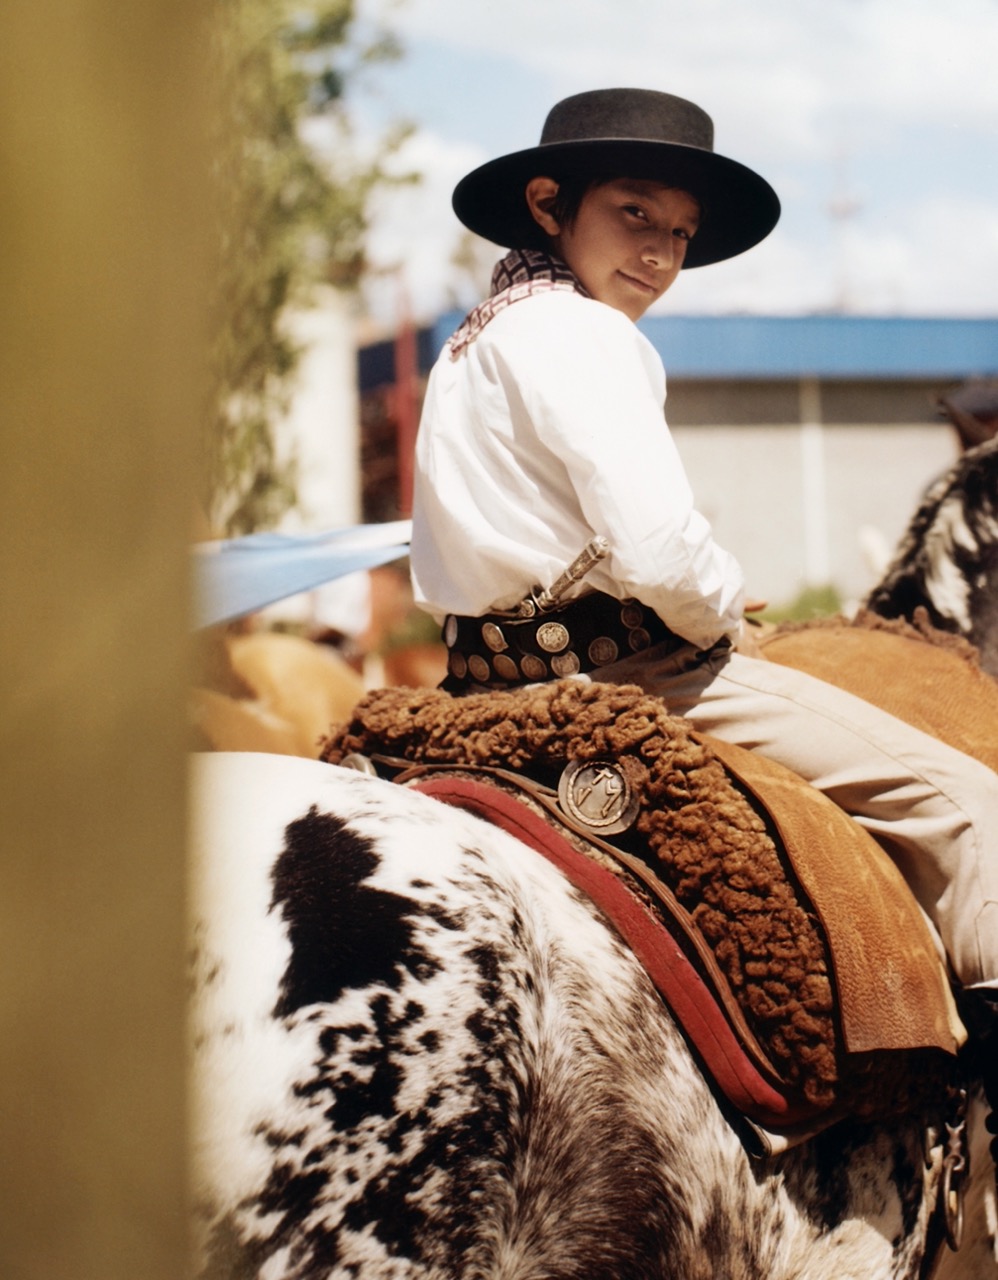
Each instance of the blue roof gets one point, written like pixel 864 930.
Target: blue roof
pixel 830 346
pixel 825 346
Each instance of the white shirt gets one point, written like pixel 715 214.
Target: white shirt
pixel 546 430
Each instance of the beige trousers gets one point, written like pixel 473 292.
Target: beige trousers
pixel 932 808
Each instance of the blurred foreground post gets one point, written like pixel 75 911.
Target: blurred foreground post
pixel 103 222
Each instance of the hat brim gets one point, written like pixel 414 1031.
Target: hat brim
pixel 739 207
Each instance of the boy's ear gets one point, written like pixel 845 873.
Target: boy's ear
pixel 541 193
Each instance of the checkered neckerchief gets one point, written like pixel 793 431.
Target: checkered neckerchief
pixel 521 274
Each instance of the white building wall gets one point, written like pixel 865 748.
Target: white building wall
pixel 323 426
pixel 752 483
pixel 322 431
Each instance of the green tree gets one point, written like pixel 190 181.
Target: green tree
pixel 288 217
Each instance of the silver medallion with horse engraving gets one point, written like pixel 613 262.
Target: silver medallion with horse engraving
pixel 597 795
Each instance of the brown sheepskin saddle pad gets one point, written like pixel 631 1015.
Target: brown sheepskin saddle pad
pixel 791 939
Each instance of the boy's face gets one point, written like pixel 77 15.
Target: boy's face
pixel 628 241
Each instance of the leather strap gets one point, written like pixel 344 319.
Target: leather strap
pixel 501 651
pixel 891 986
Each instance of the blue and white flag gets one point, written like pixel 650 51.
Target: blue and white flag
pixel 241 575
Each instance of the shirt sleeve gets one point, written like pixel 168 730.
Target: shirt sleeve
pixel 594 391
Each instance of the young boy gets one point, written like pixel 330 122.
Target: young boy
pixel 543 428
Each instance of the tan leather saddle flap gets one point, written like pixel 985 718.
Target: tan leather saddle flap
pixel 892 986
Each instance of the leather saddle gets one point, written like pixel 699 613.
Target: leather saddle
pixel 891 1030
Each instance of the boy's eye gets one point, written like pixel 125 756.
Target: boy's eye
pixel 635 210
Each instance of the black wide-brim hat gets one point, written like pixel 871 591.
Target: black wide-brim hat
pixel 625 133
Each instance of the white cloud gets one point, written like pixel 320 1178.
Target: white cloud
pixel 941 258
pixel 414 232
pixel 778 73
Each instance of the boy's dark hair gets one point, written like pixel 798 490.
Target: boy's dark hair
pixel 572 190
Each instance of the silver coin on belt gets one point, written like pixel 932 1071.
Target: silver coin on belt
pixel 479 668
pixel 603 650
pixel 565 664
pixel 552 637
pixel 493 637
pixel 638 639
pixel 533 668
pixel 505 667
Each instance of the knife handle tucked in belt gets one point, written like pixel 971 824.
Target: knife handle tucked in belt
pixel 591 554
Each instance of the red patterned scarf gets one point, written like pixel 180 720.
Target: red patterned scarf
pixel 521 274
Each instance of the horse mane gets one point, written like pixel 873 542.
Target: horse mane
pixel 947 558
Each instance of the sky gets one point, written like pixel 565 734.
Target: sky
pixel 875 120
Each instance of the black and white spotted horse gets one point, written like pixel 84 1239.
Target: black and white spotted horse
pixel 947 560
pixel 420 1053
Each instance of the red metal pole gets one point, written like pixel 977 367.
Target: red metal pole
pixel 406 400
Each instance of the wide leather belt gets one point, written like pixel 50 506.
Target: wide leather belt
pixel 499 651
